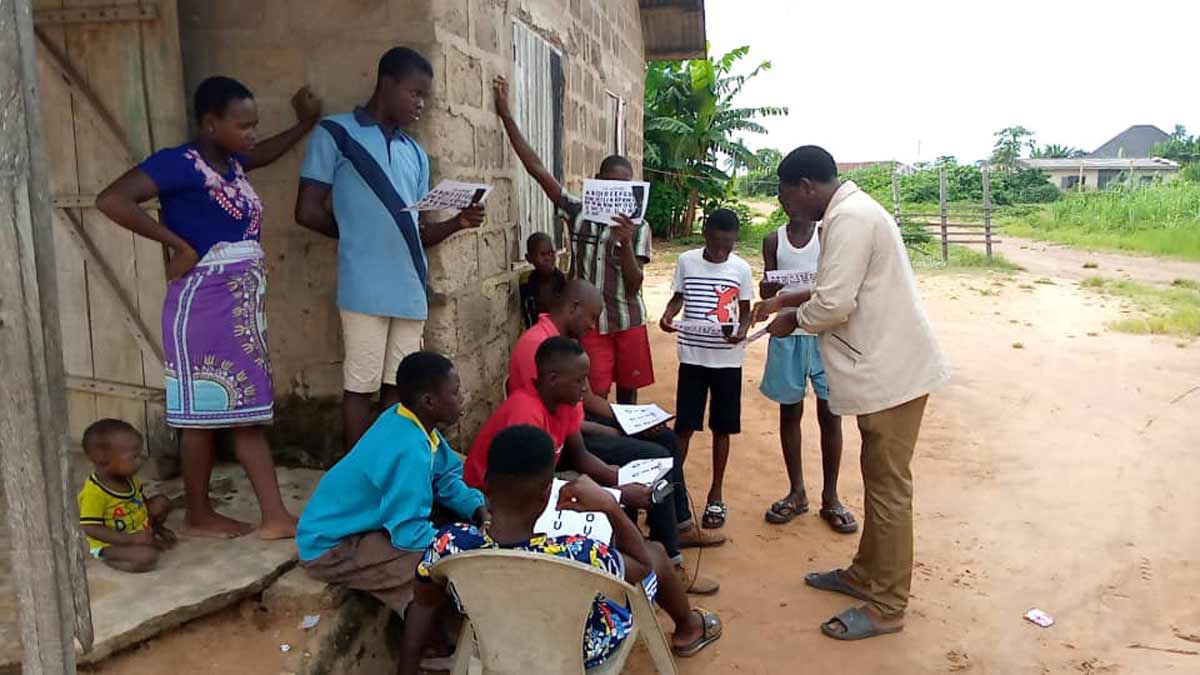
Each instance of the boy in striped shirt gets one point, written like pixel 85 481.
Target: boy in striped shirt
pixel 713 288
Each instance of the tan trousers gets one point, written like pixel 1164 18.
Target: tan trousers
pixel 884 562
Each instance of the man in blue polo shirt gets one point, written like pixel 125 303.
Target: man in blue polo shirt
pixel 374 170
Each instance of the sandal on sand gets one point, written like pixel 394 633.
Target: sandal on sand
pixel 857 625
pixel 833 582
pixel 714 516
pixel 840 519
pixel 712 632
pixel 785 510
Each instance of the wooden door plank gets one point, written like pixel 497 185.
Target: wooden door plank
pixel 107 59
pixel 57 116
pixel 109 285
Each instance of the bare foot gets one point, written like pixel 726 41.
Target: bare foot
pixel 277 529
pixel 215 525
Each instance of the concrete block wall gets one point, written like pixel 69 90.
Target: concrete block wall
pixel 275 46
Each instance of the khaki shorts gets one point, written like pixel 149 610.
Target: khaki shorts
pixel 368 562
pixel 375 346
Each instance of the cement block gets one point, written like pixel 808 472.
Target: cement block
pixel 464 78
pixel 296 591
pixel 453 139
pixel 307 431
pixel 491 149
pixel 441 329
pixel 495 253
pixel 474 318
pixel 362 637
pixel 452 16
pixel 488 19
pixel 454 264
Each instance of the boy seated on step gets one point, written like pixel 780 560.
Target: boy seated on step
pixel 124 530
pixel 520 472
pixel 368 522
pixel 545 284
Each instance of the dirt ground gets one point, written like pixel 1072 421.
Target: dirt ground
pixel 1057 470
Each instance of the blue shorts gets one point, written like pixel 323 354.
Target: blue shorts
pixel 791 362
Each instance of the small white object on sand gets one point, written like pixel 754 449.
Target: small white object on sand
pixel 1039 617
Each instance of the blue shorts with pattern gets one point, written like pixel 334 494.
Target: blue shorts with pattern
pixel 791 362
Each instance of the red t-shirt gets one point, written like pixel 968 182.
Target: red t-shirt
pixel 522 407
pixel 522 366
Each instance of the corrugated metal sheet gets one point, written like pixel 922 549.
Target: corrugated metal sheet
pixel 673 30
pixel 534 65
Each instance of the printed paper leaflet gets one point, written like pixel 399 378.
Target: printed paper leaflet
pixel 634 419
pixel 452 195
pixel 604 199
pixel 591 524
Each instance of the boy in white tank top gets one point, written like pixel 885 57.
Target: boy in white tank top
pixel 791 362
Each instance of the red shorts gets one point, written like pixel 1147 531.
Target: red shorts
pixel 622 357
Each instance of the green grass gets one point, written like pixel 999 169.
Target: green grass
pixel 928 257
pixel 1161 220
pixel 1167 310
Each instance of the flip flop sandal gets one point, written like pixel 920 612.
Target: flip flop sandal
pixel 840 519
pixel 832 581
pixel 714 516
pixel 858 626
pixel 712 632
pixel 785 511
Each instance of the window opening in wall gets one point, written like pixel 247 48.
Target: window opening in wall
pixel 538 108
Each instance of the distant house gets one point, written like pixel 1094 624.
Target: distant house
pixel 1129 153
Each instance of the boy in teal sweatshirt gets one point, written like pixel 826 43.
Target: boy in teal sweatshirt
pixel 368 522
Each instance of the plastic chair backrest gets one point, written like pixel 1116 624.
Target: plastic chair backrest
pixel 528 611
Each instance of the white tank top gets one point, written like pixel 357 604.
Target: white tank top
pixel 804 260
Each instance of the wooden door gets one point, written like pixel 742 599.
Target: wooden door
pixel 111 83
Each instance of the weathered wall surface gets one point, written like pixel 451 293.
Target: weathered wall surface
pixel 275 46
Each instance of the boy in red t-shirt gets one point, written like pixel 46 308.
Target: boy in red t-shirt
pixel 552 405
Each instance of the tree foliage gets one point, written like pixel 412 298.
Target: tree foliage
pixel 964 183
pixel 760 179
pixel 1011 143
pixel 1056 151
pixel 690 122
pixel 1181 147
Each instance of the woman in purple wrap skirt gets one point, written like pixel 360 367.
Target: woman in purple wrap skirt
pixel 218 372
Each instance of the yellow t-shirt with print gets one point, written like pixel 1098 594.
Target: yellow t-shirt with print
pixel 123 512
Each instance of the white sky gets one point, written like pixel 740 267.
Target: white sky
pixel 872 79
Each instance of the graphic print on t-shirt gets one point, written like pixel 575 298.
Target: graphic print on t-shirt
pixel 711 293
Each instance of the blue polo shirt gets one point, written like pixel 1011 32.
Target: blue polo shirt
pixel 381 271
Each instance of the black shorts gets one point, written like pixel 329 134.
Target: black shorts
pixel 691 396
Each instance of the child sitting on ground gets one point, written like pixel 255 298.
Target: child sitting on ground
pixel 545 284
pixel 712 286
pixel 125 530
pixel 520 472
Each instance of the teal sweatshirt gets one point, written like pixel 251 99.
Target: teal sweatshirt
pixel 389 481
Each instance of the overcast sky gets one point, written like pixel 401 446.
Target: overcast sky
pixel 915 79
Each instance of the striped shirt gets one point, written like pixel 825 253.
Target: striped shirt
pixel 711 294
pixel 596 259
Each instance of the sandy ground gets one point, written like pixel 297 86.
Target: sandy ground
pixel 1058 475
pixel 1055 260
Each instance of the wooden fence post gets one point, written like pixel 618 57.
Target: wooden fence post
pixel 987 209
pixel 47 553
pixel 896 196
pixel 942 205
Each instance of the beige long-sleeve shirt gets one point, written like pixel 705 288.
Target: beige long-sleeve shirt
pixel 876 341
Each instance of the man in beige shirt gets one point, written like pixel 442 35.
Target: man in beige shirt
pixel 881 360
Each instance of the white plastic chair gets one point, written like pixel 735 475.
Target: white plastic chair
pixel 526 614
